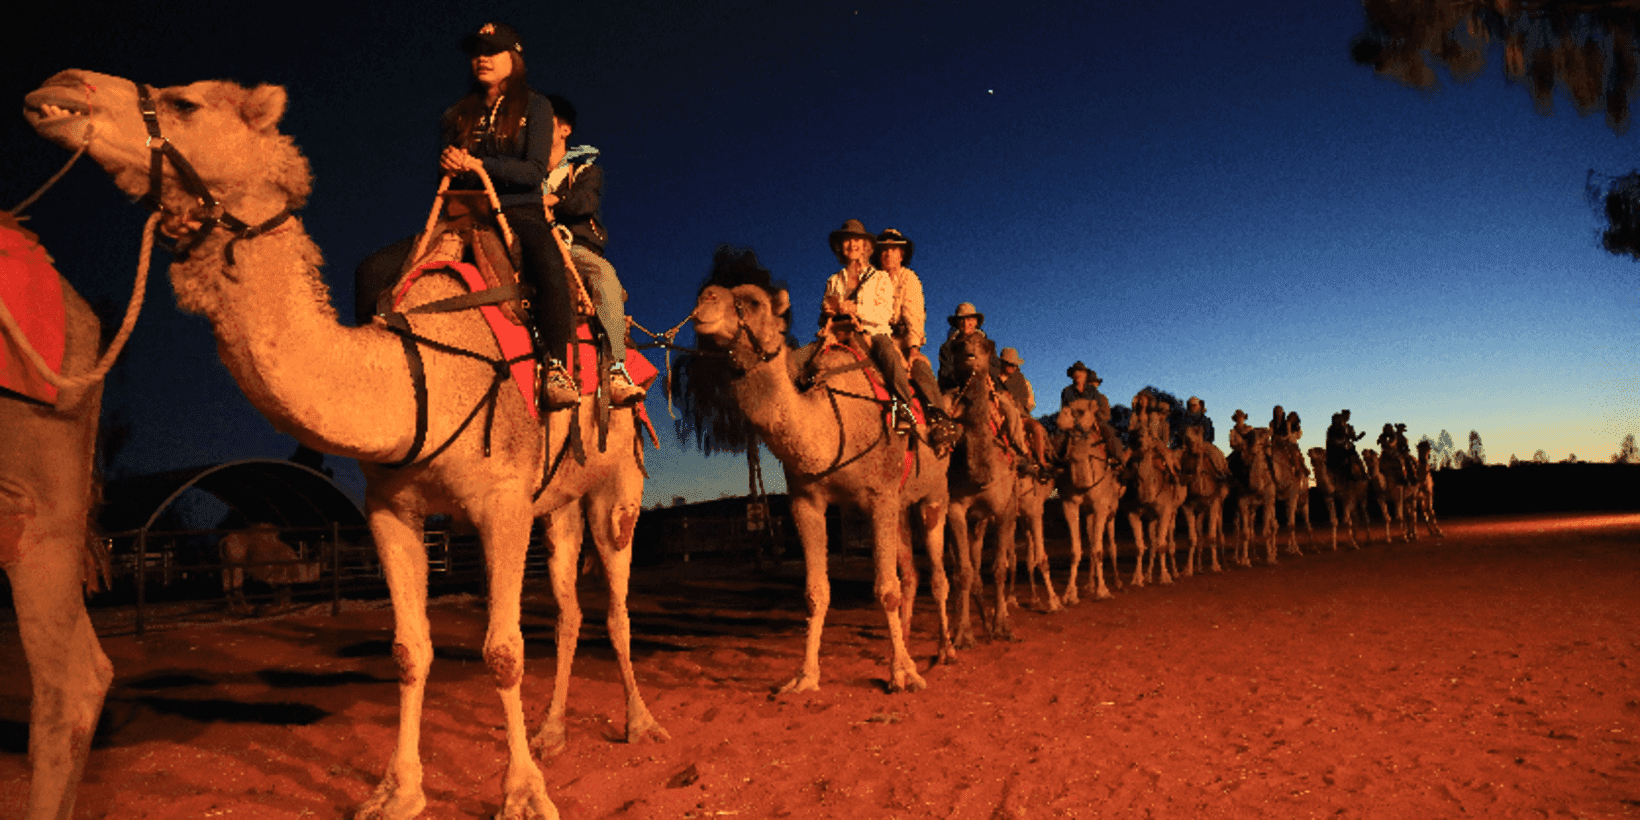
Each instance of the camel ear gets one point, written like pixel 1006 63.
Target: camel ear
pixel 780 302
pixel 264 107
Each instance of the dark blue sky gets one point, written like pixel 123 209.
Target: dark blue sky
pixel 1207 197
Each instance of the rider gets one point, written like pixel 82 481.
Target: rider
pixel 573 192
pixel 892 255
pixel 968 321
pixel 868 294
pixel 1085 385
pixel 504 127
pixel 1195 418
pixel 1341 439
pixel 1239 431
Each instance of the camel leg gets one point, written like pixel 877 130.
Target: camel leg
pixel 956 519
pixel 1096 558
pixel 1215 522
pixel 1039 556
pixel 810 517
pixel 563 531
pixel 404 561
pixel 932 517
pixel 1073 512
pixel 1006 545
pixel 889 549
pixel 976 547
pixel 1137 524
pixel 1270 531
pixel 1110 548
pixel 1162 542
pixel 66 664
pixel 503 521
pixel 907 564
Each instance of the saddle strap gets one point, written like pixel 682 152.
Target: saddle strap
pixel 480 298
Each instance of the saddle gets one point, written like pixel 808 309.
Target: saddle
pixel 463 227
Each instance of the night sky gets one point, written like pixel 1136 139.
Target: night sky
pixel 1208 197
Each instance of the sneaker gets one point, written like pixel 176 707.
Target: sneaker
pixel 558 392
pixel 904 422
pixel 622 391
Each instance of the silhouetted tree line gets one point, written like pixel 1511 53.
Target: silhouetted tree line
pixel 1589 47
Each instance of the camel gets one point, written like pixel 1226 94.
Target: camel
pixel 350 392
pixel 833 440
pixel 1088 480
pixel 46 492
pixel 1423 491
pixel 1034 487
pixel 258 553
pixel 984 484
pixel 1255 491
pixel 1207 485
pixel 1292 485
pixel 1156 493
pixel 1346 491
pixel 1393 488
pixel 927 497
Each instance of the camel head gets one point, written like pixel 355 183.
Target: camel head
pixel 1080 415
pixel 747 321
pixel 972 354
pixel 227 132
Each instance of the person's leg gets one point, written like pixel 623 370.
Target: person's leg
pixel 378 272
pixel 922 375
pixel 543 270
pixel 887 355
pixel 605 289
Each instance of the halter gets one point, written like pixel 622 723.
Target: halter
pixel 214 215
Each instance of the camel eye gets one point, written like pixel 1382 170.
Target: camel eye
pixel 183 105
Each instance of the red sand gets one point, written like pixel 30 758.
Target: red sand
pixel 1494 673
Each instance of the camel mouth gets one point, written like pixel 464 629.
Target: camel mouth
pixel 54 109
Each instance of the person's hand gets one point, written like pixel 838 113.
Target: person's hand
pixel 456 160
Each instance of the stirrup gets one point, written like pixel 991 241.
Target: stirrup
pixel 623 391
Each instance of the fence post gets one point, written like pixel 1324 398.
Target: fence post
pixel 335 569
pixel 142 574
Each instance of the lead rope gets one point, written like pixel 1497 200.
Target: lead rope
pixel 132 308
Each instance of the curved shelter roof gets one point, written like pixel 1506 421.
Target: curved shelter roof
pixel 282 493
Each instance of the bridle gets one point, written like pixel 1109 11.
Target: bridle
pixel 760 355
pixel 213 214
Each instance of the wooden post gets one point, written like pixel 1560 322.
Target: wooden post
pixel 335 569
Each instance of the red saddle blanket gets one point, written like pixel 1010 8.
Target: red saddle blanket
pixel 33 292
pixel 514 341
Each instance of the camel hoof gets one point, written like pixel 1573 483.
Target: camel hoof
pixel 1070 598
pixel 911 682
pixel 526 798
pixel 551 741
pixel 946 657
pixel 647 729
pixel 390 802
pixel 798 684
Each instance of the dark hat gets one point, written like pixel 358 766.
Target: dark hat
pixel 562 109
pixel 852 229
pixel 1239 414
pixel 892 238
pixel 965 310
pixel 492 38
pixel 1011 356
pixel 1071 371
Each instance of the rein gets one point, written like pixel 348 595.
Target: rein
pixel 214 214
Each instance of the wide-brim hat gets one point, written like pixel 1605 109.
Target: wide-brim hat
pixel 892 238
pixel 492 38
pixel 1070 372
pixel 964 311
pixel 852 229
pixel 1239 415
pixel 1011 356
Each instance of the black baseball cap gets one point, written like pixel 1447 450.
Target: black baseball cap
pixel 492 38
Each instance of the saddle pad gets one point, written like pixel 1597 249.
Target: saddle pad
pixel 514 340
pixel 33 292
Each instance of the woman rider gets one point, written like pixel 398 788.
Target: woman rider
pixel 505 128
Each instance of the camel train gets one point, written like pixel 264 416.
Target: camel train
pixel 224 182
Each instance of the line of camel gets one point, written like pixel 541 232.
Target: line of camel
pixel 281 339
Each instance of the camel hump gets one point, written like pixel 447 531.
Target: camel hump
pixel 464 235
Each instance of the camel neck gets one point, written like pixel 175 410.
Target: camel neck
pixel 279 336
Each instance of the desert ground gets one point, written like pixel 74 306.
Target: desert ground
pixel 1491 673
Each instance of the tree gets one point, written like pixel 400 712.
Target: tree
pixel 1588 47
pixel 1627 452
pixel 1444 449
pixel 1571 458
pixel 1540 457
pixel 1477 452
pixel 1514 460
